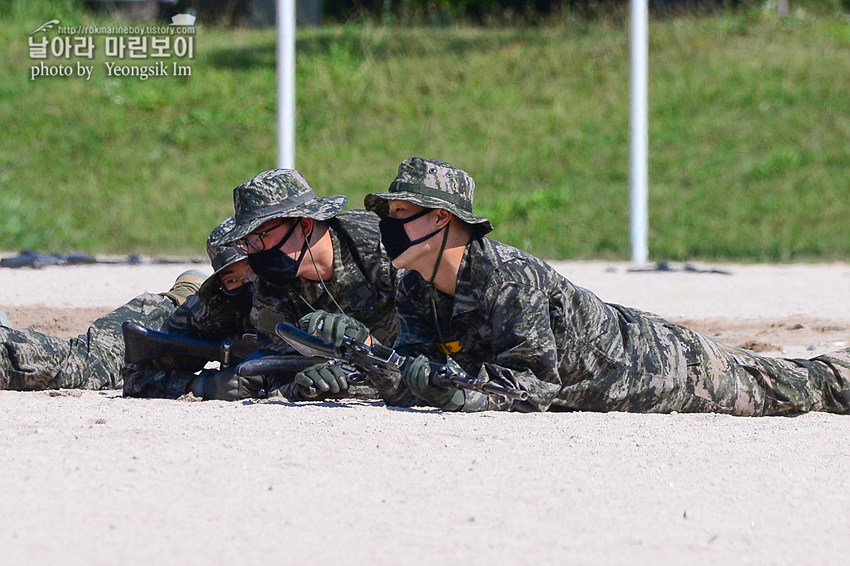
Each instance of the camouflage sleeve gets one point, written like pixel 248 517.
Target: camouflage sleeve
pixel 395 393
pixel 525 354
pixel 208 315
pixel 514 312
pixel 290 391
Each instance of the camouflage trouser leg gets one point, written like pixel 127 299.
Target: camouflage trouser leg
pixel 30 360
pixel 743 383
pixel 830 375
pixel 666 367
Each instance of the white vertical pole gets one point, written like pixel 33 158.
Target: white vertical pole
pixel 286 84
pixel 639 132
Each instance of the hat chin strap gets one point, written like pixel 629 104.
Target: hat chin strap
pixel 431 289
pixel 318 273
pixel 440 254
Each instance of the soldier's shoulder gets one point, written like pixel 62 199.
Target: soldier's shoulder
pixel 358 218
pixel 500 254
pixel 360 229
pixel 503 262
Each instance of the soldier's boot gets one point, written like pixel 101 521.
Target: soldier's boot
pixel 836 383
pixel 4 320
pixel 186 285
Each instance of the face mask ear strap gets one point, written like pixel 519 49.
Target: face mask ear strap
pixel 427 236
pixel 413 217
pixel 286 237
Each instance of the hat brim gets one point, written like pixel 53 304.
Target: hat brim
pixel 231 261
pixel 320 208
pixel 377 203
pixel 211 284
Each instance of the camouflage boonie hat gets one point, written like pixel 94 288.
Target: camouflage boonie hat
pixel 222 256
pixel 431 184
pixel 278 193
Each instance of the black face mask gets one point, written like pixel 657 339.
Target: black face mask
pixel 243 298
pixel 235 292
pixel 247 287
pixel 275 266
pixel 395 238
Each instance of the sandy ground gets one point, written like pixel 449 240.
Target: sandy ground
pixel 92 478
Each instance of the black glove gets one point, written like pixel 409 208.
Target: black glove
pixel 416 374
pixel 334 327
pixel 225 385
pixel 322 378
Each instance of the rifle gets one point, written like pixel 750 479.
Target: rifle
pixel 384 362
pixel 31 258
pixel 142 344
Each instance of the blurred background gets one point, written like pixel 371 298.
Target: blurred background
pixel 749 121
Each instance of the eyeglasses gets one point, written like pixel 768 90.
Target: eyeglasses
pixel 235 282
pixel 231 281
pixel 255 239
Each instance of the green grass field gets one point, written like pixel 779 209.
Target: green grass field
pixel 749 134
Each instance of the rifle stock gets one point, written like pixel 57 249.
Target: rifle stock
pixel 142 344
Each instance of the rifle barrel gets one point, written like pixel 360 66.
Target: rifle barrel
pixel 445 376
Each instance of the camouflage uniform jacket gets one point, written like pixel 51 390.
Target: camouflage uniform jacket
pixel 363 284
pixel 514 320
pixel 211 315
pixel 208 315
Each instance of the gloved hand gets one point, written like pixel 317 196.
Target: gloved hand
pixel 416 374
pixel 334 327
pixel 225 385
pixel 322 378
